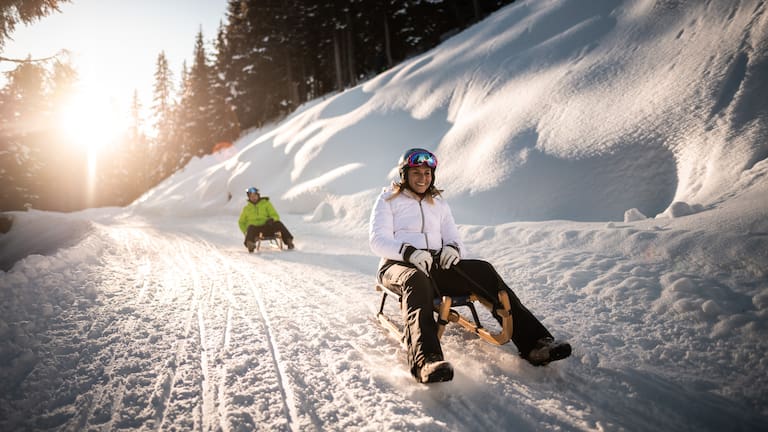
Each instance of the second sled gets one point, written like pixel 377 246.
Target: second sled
pixel 275 240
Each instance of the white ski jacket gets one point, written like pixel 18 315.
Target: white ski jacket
pixel 409 220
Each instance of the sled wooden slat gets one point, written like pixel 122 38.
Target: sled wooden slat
pixel 446 314
pixel 384 320
pixel 276 240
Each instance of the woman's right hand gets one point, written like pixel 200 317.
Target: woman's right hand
pixel 422 260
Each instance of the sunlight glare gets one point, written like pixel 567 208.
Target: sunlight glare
pixel 90 121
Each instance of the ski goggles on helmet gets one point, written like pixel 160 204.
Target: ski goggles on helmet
pixel 420 158
pixel 252 190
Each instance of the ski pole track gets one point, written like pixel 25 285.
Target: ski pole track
pixel 255 289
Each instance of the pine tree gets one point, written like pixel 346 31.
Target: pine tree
pixel 230 61
pixel 64 78
pixel 197 97
pixel 224 123
pixel 135 161
pixel 162 149
pixel 24 110
pixel 243 41
pixel 26 11
pixel 183 113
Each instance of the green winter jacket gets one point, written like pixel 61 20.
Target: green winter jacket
pixel 257 214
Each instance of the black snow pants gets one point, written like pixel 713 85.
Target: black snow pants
pixel 418 294
pixel 268 229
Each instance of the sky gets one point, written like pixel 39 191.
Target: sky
pixel 588 151
pixel 115 44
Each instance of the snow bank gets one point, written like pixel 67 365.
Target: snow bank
pixel 39 233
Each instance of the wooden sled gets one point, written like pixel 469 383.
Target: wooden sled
pixel 446 313
pixel 275 240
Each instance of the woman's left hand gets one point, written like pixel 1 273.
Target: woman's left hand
pixel 449 256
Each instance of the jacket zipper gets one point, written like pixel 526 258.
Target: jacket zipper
pixel 426 237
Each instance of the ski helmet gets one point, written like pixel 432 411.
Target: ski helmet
pixel 416 157
pixel 251 190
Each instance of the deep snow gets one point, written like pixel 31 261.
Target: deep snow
pixel 608 157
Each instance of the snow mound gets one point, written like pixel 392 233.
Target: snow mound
pixel 50 231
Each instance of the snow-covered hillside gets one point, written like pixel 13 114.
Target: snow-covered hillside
pixel 564 109
pixel 608 157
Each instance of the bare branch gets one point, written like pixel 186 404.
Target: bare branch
pixel 28 60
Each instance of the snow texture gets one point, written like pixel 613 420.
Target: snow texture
pixel 608 157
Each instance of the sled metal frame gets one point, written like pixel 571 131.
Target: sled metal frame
pixel 275 240
pixel 445 314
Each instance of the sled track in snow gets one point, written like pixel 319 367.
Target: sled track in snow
pixel 180 334
pixel 215 345
pixel 190 336
pixel 320 292
pixel 264 283
pixel 287 394
pixel 175 345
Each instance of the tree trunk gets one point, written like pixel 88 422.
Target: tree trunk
pixel 351 54
pixel 337 60
pixel 293 86
pixel 387 43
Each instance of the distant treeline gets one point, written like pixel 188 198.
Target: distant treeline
pixel 267 58
pixel 272 55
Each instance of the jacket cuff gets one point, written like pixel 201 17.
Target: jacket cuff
pixel 456 248
pixel 407 250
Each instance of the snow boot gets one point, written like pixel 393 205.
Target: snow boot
pixel 548 350
pixel 250 245
pixel 435 369
pixel 289 243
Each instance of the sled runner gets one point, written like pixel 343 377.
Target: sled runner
pixel 445 314
pixel 275 240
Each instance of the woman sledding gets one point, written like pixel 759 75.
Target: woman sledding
pixel 413 231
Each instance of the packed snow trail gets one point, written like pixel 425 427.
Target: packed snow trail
pixel 144 326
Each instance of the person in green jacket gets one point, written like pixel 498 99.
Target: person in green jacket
pixel 260 217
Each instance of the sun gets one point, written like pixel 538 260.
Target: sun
pixel 88 119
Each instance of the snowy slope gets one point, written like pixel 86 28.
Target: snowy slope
pixel 559 125
pixel 568 110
